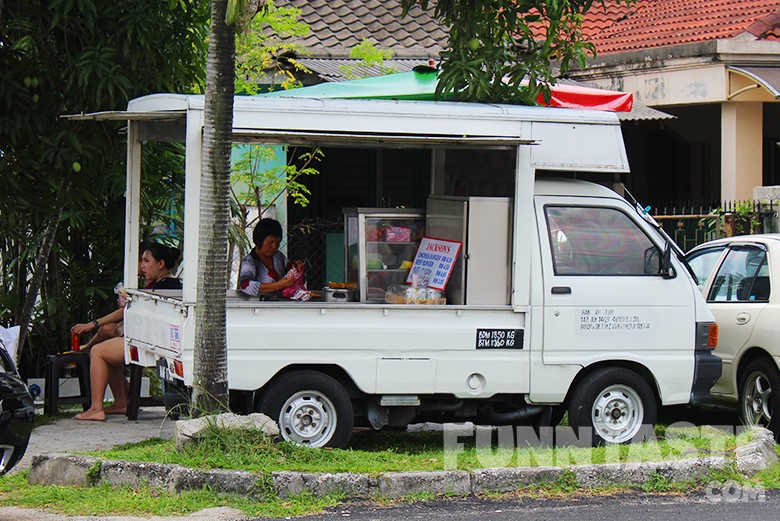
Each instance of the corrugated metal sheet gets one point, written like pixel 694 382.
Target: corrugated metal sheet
pixel 338 69
pixel 640 112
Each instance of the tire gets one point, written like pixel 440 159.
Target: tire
pixel 176 400
pixel 558 412
pixel 311 409
pixel 757 406
pixel 614 403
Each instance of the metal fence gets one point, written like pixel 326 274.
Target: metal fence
pixel 691 224
pixel 321 244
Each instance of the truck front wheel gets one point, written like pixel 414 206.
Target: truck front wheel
pixel 615 403
pixel 311 408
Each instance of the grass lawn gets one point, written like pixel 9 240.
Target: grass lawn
pixel 370 452
pixel 374 452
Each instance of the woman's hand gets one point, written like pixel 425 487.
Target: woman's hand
pixel 286 282
pixel 79 329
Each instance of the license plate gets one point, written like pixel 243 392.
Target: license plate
pixel 163 371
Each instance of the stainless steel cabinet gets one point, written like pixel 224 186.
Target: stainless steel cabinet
pixel 380 246
pixel 481 275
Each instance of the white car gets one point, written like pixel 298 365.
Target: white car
pixel 736 276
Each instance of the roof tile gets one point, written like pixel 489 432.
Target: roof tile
pixel 337 25
pixel 657 23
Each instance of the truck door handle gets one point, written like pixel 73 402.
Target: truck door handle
pixel 743 318
pixel 561 290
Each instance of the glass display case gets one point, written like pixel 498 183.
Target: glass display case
pixel 380 244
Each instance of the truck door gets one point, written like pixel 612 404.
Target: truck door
pixel 604 296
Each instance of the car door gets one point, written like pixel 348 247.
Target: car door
pixel 737 293
pixel 604 295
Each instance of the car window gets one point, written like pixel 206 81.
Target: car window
pixel 743 276
pixel 599 241
pixel 703 262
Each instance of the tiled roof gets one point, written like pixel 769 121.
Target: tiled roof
pixel 339 25
pixel 658 23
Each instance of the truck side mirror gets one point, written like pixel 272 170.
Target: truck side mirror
pixel 667 270
pixel 657 263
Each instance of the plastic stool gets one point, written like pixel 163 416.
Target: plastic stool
pixel 76 360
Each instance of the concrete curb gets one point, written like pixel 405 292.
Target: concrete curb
pixel 66 469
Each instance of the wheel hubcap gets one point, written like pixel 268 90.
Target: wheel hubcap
pixel 617 413
pixel 308 418
pixel 757 400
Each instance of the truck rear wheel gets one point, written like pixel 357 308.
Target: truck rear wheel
pixel 311 408
pixel 615 403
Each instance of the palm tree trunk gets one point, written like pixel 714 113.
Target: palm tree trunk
pixel 26 312
pixel 210 391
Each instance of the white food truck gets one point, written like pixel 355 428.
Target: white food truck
pixel 590 309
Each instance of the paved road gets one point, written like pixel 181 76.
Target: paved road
pixel 637 507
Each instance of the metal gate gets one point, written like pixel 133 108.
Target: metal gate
pixel 693 224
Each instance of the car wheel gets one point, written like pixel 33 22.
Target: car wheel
pixel 311 409
pixel 756 403
pixel 614 403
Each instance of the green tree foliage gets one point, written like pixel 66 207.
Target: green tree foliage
pixel 65 179
pixel 265 51
pixel 260 177
pixel 369 56
pixel 493 55
pixel 262 174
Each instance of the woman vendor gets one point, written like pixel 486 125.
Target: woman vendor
pixel 264 270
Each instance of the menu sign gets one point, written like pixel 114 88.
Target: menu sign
pixel 433 263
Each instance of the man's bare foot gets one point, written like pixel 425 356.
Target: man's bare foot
pixel 116 409
pixel 89 415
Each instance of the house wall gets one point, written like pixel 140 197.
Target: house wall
pixel 741 149
pixel 722 147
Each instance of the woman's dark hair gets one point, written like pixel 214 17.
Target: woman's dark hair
pixel 142 247
pixel 264 228
pixel 164 253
